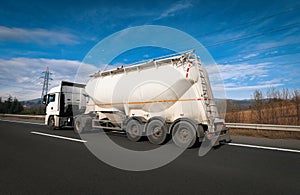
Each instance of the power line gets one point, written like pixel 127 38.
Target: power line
pixel 253 21
pixel 258 58
pixel 262 49
pixel 249 59
pixel 245 23
pixel 248 36
pixel 249 22
pixel 283 64
pixel 286 27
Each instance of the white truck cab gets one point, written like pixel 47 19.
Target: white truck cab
pixel 60 103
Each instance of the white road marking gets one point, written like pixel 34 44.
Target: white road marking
pixel 263 147
pixel 119 132
pixel 15 121
pixel 59 137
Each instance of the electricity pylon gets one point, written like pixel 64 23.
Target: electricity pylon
pixel 46 78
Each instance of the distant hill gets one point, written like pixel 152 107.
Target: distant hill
pixel 244 104
pixel 31 102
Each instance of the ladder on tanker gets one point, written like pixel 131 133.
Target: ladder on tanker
pixel 209 104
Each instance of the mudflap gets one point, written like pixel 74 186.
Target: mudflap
pixel 218 138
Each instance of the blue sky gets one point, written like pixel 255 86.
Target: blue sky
pixel 255 43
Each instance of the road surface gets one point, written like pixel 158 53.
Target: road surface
pixel 35 164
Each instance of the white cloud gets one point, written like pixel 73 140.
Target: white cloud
pixel 146 56
pixel 283 40
pixel 176 7
pixel 244 71
pixel 20 77
pixel 244 78
pixel 274 81
pixel 252 87
pixel 40 36
pixel 272 52
pixel 250 55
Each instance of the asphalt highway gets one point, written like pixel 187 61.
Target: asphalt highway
pixel 36 164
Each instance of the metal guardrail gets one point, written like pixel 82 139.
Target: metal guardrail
pixel 230 125
pixel 263 127
pixel 23 116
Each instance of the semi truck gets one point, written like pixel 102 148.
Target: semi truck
pixel 167 97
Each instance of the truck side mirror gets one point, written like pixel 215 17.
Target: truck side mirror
pixel 45 99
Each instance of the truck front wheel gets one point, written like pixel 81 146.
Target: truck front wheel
pixel 184 134
pixel 51 123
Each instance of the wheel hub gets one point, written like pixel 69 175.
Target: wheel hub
pixel 157 131
pixel 184 135
pixel 134 130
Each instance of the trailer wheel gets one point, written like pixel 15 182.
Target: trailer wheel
pixel 157 131
pixel 134 130
pixel 51 123
pixel 184 134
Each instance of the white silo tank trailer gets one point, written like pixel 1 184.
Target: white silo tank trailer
pixel 166 97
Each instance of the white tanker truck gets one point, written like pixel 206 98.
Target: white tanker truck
pixel 162 98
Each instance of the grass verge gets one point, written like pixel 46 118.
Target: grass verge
pixel 266 133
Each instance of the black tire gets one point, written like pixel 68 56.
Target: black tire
pixel 82 123
pixel 157 131
pixel 77 126
pixel 51 123
pixel 134 130
pixel 184 134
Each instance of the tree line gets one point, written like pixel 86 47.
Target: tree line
pixel 10 106
pixel 273 107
